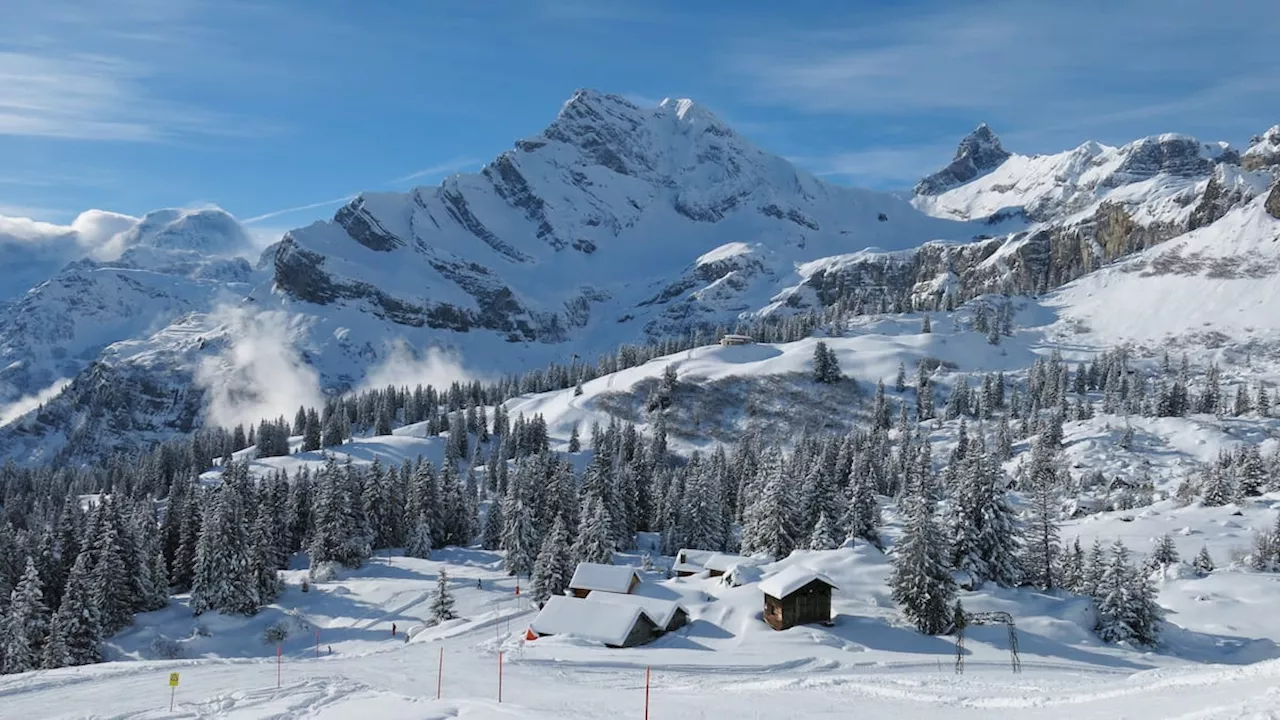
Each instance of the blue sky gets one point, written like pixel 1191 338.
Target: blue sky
pixel 260 107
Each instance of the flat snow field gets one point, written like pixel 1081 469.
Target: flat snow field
pixel 725 664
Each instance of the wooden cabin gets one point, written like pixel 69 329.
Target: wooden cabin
pixel 667 615
pixel 611 624
pixel 588 577
pixel 721 563
pixel 728 340
pixel 797 596
pixel 691 562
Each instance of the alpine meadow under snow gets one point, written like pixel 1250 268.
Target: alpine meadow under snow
pixel 1018 428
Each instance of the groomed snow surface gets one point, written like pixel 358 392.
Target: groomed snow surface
pixel 725 663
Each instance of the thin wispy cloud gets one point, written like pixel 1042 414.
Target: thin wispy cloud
pixel 1025 64
pixel 434 171
pixel 296 209
pixel 437 170
pixel 86 73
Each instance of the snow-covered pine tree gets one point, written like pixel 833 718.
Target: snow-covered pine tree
pixel 554 567
pixel 27 625
pixel 1094 569
pixel 900 380
pixel 985 538
pixel 881 418
pixel 311 432
pixel 1164 552
pixel 520 537
pixel 595 541
pixel 926 325
pixel 223 579
pixel 442 600
pixel 862 517
pixel 922 585
pixel 110 595
pixel 1204 561
pixel 768 526
pixel 826 369
pixel 1071 569
pixel 1042 549
pixel 825 536
pixel 491 537
pixel 419 545
pixel 1216 486
pixel 75 631
pixel 575 443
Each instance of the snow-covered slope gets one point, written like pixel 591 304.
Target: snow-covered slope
pixel 164 266
pixel 613 222
pixel 1165 170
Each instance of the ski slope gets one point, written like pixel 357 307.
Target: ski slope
pixel 726 663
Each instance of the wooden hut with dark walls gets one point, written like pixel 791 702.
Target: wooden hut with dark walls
pixel 797 596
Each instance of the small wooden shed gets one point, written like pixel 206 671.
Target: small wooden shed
pixel 797 596
pixel 606 578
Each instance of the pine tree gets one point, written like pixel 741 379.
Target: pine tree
pixel 900 380
pixel 595 539
pixel 824 536
pixel 826 369
pixel 223 576
pixel 419 545
pixel 75 632
pixel 1094 569
pixel 1071 570
pixel 921 583
pixel 768 525
pixel 311 432
pixel 110 595
pixel 1040 561
pixel 442 600
pixel 1204 562
pixel 554 567
pixel 27 626
pixel 520 539
pixel 491 538
pixel 1164 552
pixel 575 444
pixel 926 325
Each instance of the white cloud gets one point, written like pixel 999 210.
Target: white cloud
pixel 259 374
pixel 405 367
pixel 436 171
pixel 16 409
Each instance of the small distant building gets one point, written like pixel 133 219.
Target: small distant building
pixel 667 615
pixel 797 596
pixel 728 340
pixel 612 624
pixel 605 578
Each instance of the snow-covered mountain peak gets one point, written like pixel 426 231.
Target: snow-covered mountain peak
pixel 1264 150
pixel 979 152
pixel 207 231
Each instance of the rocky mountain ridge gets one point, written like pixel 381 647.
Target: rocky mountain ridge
pixel 614 224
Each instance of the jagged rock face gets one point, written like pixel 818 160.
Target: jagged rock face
pixel 1263 152
pixel 597 226
pixel 979 152
pixel 1173 155
pixel 1273 201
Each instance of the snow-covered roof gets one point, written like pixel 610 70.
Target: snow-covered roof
pixel 694 557
pixel 659 611
pixel 685 567
pixel 608 623
pixel 782 584
pixel 609 578
pixel 724 562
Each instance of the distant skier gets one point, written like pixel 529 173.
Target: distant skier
pixel 479 584
pixel 393 629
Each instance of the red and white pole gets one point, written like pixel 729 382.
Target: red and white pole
pixel 646 692
pixel 440 675
pixel 499 676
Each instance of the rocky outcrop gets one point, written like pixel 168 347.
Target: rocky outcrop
pixel 1263 152
pixel 1273 201
pixel 980 152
